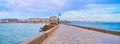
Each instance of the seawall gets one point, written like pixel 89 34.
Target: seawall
pixel 40 38
pixel 97 29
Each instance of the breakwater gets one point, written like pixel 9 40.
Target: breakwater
pixel 38 39
pixel 66 34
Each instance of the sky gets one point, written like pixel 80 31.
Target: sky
pixel 74 10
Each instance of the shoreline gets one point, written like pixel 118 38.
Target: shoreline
pixel 23 23
pixel 98 30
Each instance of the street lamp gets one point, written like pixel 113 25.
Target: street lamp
pixel 59 18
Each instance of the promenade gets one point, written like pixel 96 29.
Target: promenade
pixel 73 35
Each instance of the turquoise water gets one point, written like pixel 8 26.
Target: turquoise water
pixel 16 33
pixel 114 26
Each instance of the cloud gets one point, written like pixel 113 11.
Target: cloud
pixel 79 16
pixel 26 8
pixel 83 10
pixel 35 5
pixel 102 8
pixel 94 12
pixel 14 15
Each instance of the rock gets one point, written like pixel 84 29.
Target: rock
pixel 47 27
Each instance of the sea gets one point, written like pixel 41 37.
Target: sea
pixel 113 26
pixel 17 33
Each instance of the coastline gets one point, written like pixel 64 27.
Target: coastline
pixel 98 30
pixel 23 23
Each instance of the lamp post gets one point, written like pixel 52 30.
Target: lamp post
pixel 59 18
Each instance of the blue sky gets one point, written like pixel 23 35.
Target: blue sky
pixel 83 10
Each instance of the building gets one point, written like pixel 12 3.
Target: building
pixel 53 19
pixel 45 20
pixel 9 21
pixel 34 20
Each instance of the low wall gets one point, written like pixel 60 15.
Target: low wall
pixel 99 30
pixel 40 38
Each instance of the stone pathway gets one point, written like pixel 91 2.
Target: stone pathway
pixel 73 35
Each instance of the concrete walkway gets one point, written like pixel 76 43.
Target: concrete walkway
pixel 73 35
